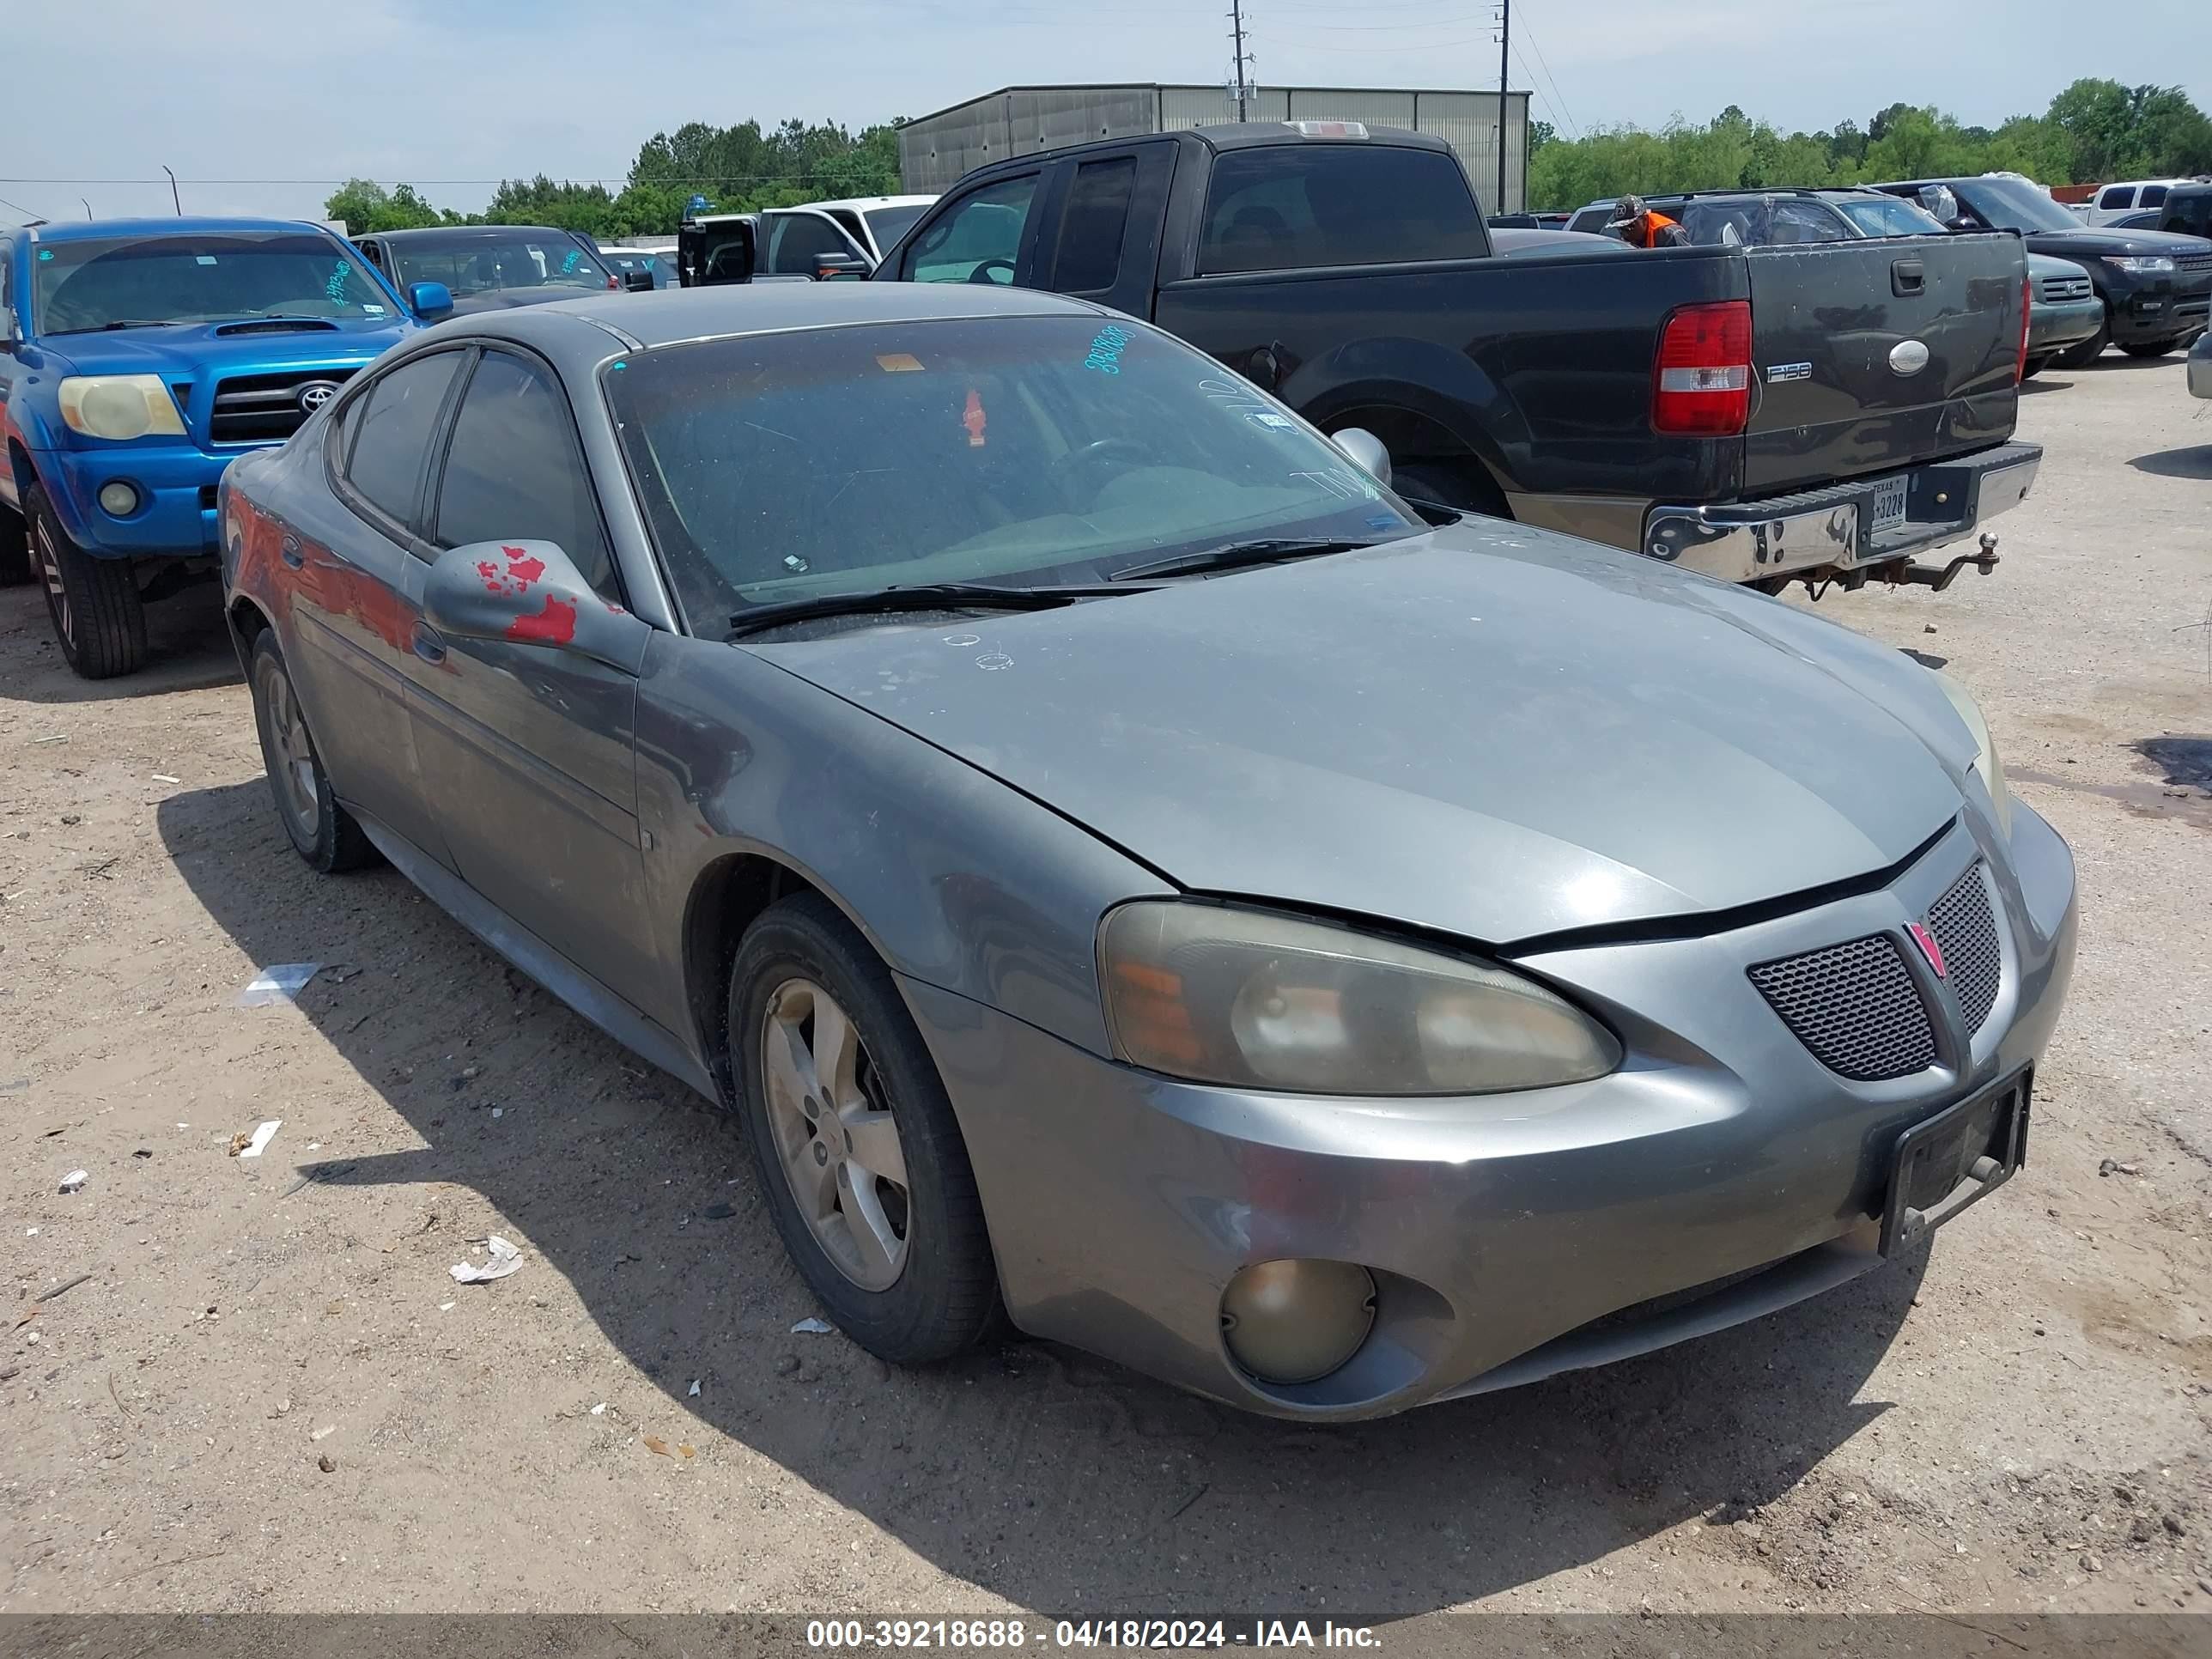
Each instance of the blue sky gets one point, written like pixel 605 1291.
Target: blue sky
pixel 260 113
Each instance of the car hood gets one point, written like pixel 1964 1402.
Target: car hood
pixel 1492 732
pixel 2093 243
pixel 238 346
pixel 2042 265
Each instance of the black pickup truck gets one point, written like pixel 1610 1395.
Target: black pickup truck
pixel 1759 414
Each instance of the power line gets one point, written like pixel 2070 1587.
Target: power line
pixel 1530 35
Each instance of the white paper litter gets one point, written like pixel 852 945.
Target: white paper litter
pixel 324 1433
pixel 280 982
pixel 75 1180
pixel 163 777
pixel 812 1328
pixel 504 1259
pixel 599 1410
pixel 262 1137
pixel 30 1232
pixel 695 1389
pixel 447 1307
pixel 499 1111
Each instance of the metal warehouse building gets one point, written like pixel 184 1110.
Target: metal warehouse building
pixel 936 150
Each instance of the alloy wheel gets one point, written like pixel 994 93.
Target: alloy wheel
pixel 836 1144
pixel 49 567
pixel 292 754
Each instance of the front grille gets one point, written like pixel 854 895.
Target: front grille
pixel 2192 262
pixel 2055 289
pixel 1965 926
pixel 252 409
pixel 1854 1006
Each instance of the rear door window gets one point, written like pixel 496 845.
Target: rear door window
pixel 2116 197
pixel 1290 207
pixel 391 426
pixel 2153 196
pixel 796 240
pixel 980 240
pixel 1094 225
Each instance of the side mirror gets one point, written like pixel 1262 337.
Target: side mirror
pixel 829 267
pixel 431 300
pixel 711 254
pixel 637 280
pixel 1366 451
pixel 528 593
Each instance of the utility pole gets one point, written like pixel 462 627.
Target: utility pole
pixel 1237 39
pixel 1504 45
pixel 177 201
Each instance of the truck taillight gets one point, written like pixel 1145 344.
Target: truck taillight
pixel 1701 385
pixel 2027 305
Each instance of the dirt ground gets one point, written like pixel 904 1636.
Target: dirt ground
pixel 270 1395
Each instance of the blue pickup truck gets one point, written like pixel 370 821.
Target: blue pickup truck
pixel 138 358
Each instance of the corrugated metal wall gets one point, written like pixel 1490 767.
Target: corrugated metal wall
pixel 935 150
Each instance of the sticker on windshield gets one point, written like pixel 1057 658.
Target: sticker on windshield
pixel 204 259
pixel 898 362
pixel 973 418
pixel 373 311
pixel 1386 521
pixel 1272 421
pixel 1106 349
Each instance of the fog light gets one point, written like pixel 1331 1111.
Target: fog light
pixel 118 498
pixel 1296 1321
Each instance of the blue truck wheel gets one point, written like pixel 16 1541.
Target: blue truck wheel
pixel 98 615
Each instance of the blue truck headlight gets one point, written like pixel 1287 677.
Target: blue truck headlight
pixel 119 406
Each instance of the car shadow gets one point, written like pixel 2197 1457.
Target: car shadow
pixel 2040 383
pixel 1037 1474
pixel 2190 461
pixel 2116 359
pixel 187 648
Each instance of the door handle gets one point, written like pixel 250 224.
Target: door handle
pixel 289 552
pixel 1907 277
pixel 427 644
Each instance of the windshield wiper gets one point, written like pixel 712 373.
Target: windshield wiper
pixel 120 322
pixel 1235 556
pixel 923 596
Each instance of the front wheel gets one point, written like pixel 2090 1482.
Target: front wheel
pixel 860 1157
pixel 98 616
pixel 2150 348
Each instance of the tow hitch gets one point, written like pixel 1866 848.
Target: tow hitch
pixel 1928 575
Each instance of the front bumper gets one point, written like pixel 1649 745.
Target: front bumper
pixel 1120 1204
pixel 2145 309
pixel 176 485
pixel 1832 528
pixel 2054 325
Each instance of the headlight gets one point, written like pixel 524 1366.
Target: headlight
pixel 119 406
pixel 2141 264
pixel 1985 760
pixel 1259 1001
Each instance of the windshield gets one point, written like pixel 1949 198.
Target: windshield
pixel 199 278
pixel 2014 205
pixel 1888 215
pixel 479 263
pixel 1031 450
pixel 888 224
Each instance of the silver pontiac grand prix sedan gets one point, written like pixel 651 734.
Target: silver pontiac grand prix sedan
pixel 1125 865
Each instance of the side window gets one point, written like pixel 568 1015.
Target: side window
pixel 391 428
pixel 797 240
pixel 514 472
pixel 2153 196
pixel 373 253
pixel 1805 222
pixel 1290 206
pixel 978 241
pixel 1093 225
pixel 2115 197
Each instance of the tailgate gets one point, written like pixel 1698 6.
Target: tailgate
pixel 1867 356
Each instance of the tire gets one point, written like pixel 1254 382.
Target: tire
pixel 98 616
pixel 2086 352
pixel 14 550
pixel 926 1288
pixel 1449 486
pixel 2150 348
pixel 320 829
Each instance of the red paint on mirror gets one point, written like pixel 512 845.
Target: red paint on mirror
pixel 553 625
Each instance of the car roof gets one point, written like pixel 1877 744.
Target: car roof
pixel 667 316
pixel 468 233
pixel 861 204
pixel 94 229
pixel 1233 136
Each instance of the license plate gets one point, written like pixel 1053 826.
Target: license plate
pixel 1887 510
pixel 1954 1158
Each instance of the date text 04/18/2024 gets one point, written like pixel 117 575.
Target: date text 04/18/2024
pixel 976 1634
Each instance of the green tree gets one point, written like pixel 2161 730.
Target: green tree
pixel 366 206
pixel 1541 133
